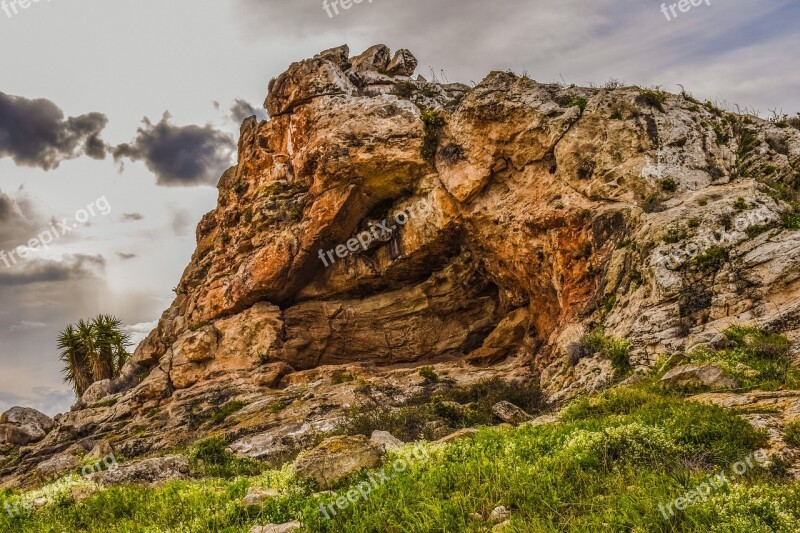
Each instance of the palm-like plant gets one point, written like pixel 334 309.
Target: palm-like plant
pixel 93 351
pixel 76 366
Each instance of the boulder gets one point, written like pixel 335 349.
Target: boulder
pixel 403 64
pixel 373 58
pixel 499 514
pixel 58 466
pixel 147 471
pixel 508 412
pixel 21 426
pixel 385 439
pixel 256 496
pixel 694 376
pixel 96 392
pixel 336 458
pixel 461 434
pixel 277 528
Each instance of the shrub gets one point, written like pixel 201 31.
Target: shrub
pixel 711 261
pixel 433 122
pixel 429 374
pixel 792 436
pixel 669 185
pixel 754 357
pixel 613 348
pixel 210 458
pixel 572 101
pixel 219 414
pixel 740 204
pixel 652 97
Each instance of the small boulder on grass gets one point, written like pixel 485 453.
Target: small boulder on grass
pixel 336 458
pixel 696 376
pixel 385 439
pixel 461 434
pixel 145 472
pixel 255 497
pixel 508 412
pixel 277 528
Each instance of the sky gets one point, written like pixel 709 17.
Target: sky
pixel 120 117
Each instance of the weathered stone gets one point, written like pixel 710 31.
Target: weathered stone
pixel 256 496
pixel 277 528
pixel 96 392
pixel 58 466
pixel 373 58
pixel 693 376
pixel 461 434
pixel 20 426
pixel 403 64
pixel 508 412
pixel 336 458
pixel 147 471
pixel 499 514
pixel 386 439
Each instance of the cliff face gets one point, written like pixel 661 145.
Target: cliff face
pixel 380 222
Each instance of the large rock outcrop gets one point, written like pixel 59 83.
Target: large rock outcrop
pixel 376 222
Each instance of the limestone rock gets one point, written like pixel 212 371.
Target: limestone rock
pixel 373 58
pixel 708 375
pixel 277 528
pixel 403 64
pixel 336 458
pixel 58 466
pixel 256 496
pixel 385 439
pixel 96 392
pixel 147 471
pixel 20 426
pixel 508 412
pixel 499 514
pixel 461 434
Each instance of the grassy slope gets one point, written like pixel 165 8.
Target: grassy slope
pixel 605 467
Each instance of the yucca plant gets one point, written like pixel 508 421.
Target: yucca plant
pixel 76 366
pixel 93 351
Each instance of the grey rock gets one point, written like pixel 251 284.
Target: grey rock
pixel 707 375
pixel 385 439
pixel 147 471
pixel 22 425
pixel 403 64
pixel 508 412
pixel 336 458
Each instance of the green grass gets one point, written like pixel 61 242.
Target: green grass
pixel 605 467
pixel 756 359
pixel 613 348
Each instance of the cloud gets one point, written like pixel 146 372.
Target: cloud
pixel 242 109
pixel 71 267
pixel 182 222
pixel 26 325
pixel 19 220
pixel 48 400
pixel 180 155
pixel 34 133
pixel 126 256
pixel 132 217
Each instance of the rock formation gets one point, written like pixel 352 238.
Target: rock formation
pixel 550 210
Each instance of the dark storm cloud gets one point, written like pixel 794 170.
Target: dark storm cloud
pixel 73 267
pixel 242 109
pixel 180 155
pixel 34 133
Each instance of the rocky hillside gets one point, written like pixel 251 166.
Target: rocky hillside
pixel 557 237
